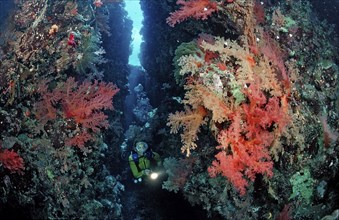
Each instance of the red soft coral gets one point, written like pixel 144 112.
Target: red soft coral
pixel 240 159
pixel 198 9
pixel 245 143
pixel 79 139
pixel 12 161
pixel 81 105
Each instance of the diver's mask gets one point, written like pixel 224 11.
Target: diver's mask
pixel 141 147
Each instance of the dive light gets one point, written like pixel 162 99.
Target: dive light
pixel 154 175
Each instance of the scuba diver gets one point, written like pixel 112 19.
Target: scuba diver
pixel 141 160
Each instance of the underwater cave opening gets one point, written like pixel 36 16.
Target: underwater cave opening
pixel 147 200
pixel 136 73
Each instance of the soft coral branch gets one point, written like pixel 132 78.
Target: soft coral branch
pixel 198 9
pixel 190 120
